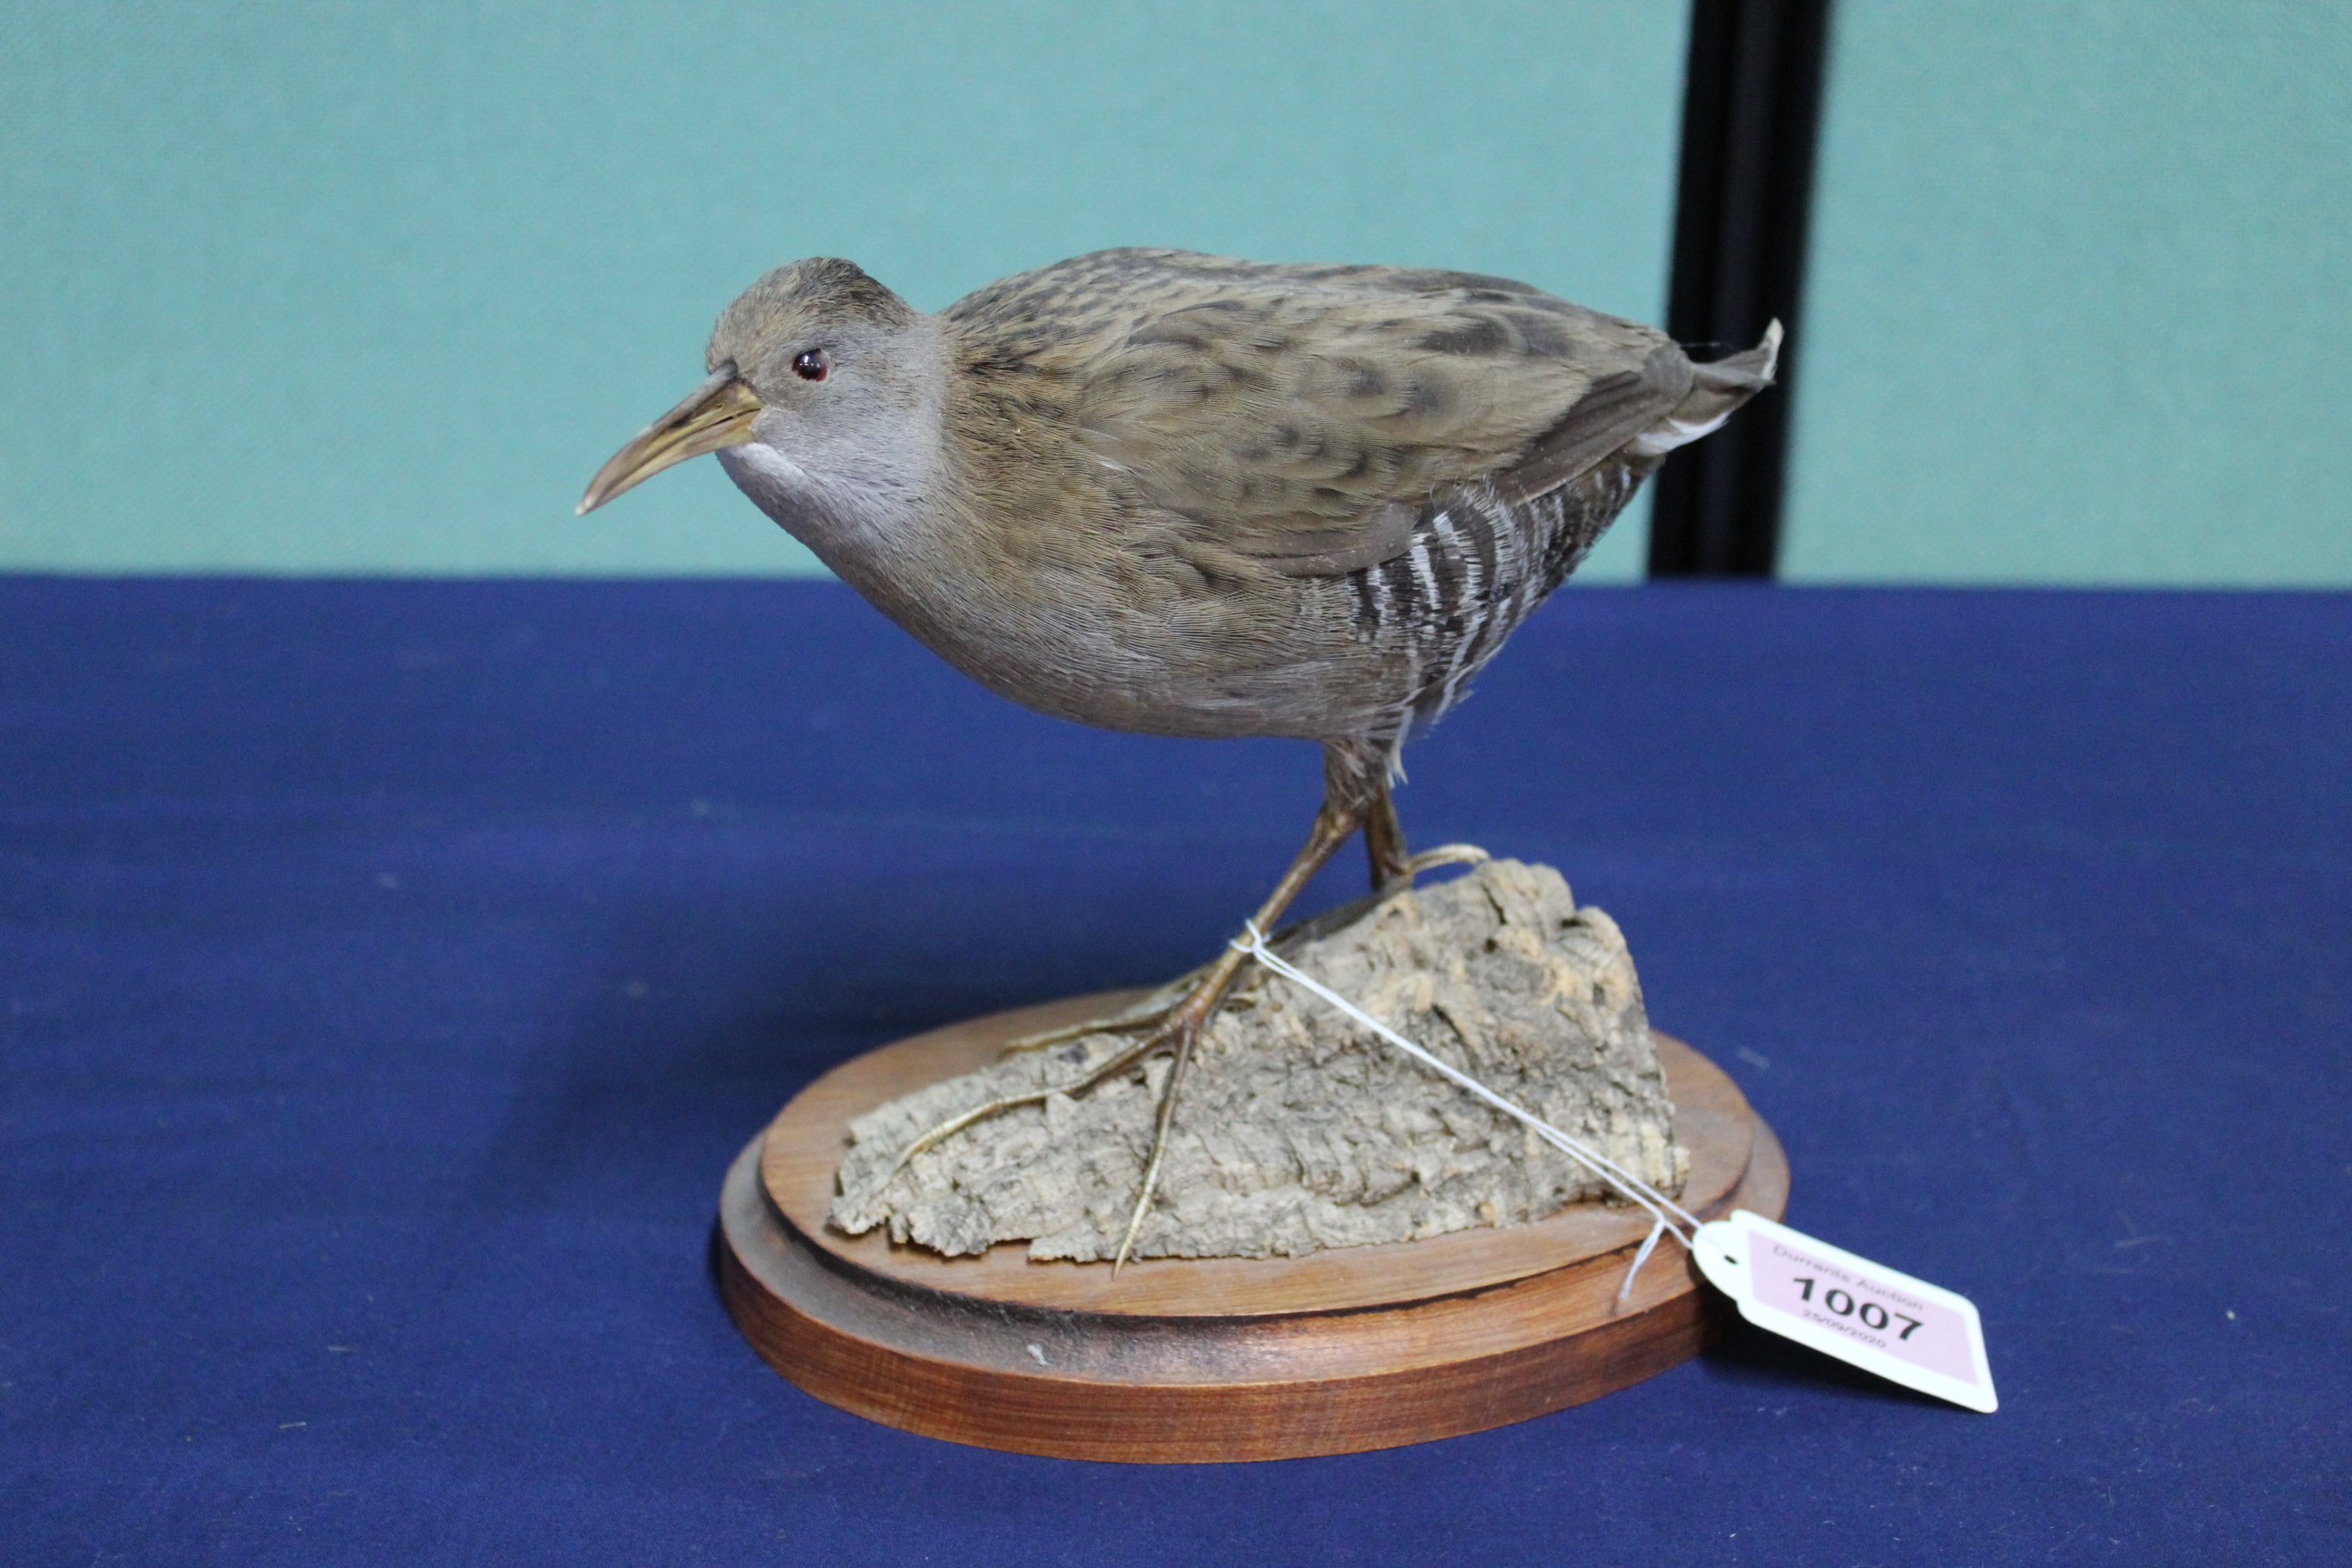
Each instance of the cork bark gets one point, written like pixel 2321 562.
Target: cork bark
pixel 1296 1128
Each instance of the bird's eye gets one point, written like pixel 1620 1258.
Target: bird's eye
pixel 811 365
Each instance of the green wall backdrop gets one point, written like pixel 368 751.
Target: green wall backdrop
pixel 346 288
pixel 2079 301
pixel 369 287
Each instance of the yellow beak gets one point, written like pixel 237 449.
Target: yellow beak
pixel 716 415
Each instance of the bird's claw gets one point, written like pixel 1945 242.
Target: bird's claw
pixel 1143 1013
pixel 1170 1026
pixel 1445 855
pixel 1117 1062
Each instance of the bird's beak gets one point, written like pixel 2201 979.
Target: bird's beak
pixel 717 414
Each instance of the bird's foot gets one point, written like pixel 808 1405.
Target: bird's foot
pixel 1445 855
pixel 1177 1033
pixel 1170 1022
pixel 1170 1028
pixel 1144 1013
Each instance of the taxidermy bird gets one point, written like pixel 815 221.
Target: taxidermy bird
pixel 1193 496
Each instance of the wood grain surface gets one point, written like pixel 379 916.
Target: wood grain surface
pixel 1212 1360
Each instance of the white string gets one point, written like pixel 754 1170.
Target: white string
pixel 1657 1231
pixel 1628 1185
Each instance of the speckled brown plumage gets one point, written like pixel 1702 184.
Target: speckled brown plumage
pixel 1194 496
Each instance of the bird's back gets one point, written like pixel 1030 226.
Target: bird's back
pixel 1284 406
pixel 1315 497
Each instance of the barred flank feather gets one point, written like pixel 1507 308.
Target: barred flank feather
pixel 1478 565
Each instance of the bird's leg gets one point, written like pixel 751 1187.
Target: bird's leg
pixel 1393 869
pixel 1384 844
pixel 1176 1028
pixel 1341 815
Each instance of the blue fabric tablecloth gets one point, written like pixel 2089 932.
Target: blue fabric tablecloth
pixel 388 972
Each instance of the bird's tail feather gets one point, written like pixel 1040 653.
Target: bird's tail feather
pixel 1718 389
pixel 1748 372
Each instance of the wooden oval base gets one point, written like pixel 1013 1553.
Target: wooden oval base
pixel 1189 1360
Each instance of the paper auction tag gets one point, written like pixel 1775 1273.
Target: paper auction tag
pixel 1904 1329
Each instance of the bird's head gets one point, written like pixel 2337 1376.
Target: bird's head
pixel 822 398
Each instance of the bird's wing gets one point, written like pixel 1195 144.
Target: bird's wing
pixel 1300 417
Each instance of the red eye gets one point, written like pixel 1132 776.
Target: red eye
pixel 811 365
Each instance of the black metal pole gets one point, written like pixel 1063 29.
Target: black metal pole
pixel 1751 108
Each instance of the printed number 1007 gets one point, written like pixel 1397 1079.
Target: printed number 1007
pixel 1870 1313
